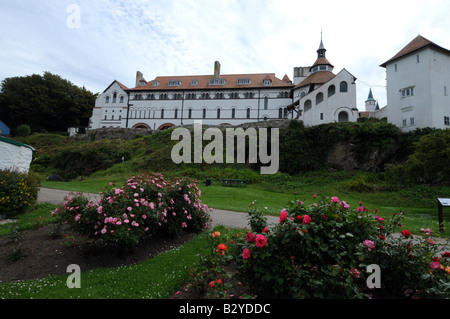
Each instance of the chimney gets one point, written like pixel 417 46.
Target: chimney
pixel 216 69
pixel 139 77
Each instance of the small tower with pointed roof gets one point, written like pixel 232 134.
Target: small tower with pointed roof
pixel 371 103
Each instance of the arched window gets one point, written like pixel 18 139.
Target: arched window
pixel 319 98
pixel 331 90
pixel 302 94
pixel 266 103
pixel 114 97
pixel 285 113
pixel 189 113
pixel 218 113
pixel 233 113
pixel 204 113
pixel 280 113
pixel 162 113
pixel 176 114
pixel 121 99
pixel 343 87
pixel 107 99
pixel 308 105
pixel 248 112
pixel 343 116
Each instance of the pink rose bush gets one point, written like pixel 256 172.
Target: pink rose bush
pixel 144 205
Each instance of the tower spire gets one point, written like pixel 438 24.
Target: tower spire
pixel 321 51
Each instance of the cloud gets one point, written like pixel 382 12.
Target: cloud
pixel 178 37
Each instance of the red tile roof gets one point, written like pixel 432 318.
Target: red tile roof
pixel 320 77
pixel 321 61
pixel 416 44
pixel 230 82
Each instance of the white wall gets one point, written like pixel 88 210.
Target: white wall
pixel 15 157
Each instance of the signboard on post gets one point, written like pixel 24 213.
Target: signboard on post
pixel 442 202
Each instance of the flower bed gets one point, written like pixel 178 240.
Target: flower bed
pixel 325 250
pixel 144 205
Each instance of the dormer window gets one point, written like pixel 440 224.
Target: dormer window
pixel 216 82
pixel 243 81
pixel 174 83
pixel 267 82
pixel 194 82
pixel 155 83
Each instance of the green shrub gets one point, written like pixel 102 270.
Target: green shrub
pixel 18 191
pixel 23 130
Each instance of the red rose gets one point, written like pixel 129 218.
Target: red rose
pixel 261 241
pixel 250 237
pixel 406 233
pixel 306 219
pixel 246 253
pixel 283 215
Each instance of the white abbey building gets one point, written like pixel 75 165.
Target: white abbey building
pixel 316 96
pixel 418 87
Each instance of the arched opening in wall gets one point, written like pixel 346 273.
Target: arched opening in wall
pixel 142 125
pixel 165 126
pixel 331 90
pixel 307 105
pixel 343 116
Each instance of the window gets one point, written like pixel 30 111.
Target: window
pixel 176 114
pixel 411 121
pixel 243 81
pixel 163 96
pixel 331 90
pixel 248 112
pixel 267 82
pixel 280 113
pixel 407 91
pixel 302 94
pixel 249 95
pixel 177 96
pixel 321 116
pixel 308 105
pixel 205 95
pixel 218 113
pixel 285 113
pixel 114 97
pixel 446 120
pixel 194 82
pixel 395 67
pixel 204 113
pixel 233 113
pixel 150 96
pixel 155 83
pixel 162 113
pixel 266 103
pixel 216 82
pixel 418 58
pixel 121 99
pixel 404 122
pixel 107 99
pixel 234 95
pixel 219 95
pixel 190 113
pixel 319 98
pixel 174 83
pixel 191 96
pixel 343 87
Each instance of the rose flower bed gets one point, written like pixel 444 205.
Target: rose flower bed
pixel 144 205
pixel 322 250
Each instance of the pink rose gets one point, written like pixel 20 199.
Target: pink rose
pixel 369 244
pixel 335 199
pixel 261 241
pixel 246 253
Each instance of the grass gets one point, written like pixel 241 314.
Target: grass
pixel 156 278
pixel 417 202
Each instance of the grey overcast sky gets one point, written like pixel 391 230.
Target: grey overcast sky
pixel 93 42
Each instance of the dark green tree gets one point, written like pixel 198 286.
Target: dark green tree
pixel 46 102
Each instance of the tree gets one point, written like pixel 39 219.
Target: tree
pixel 46 102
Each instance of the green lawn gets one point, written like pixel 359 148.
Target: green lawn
pixel 418 203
